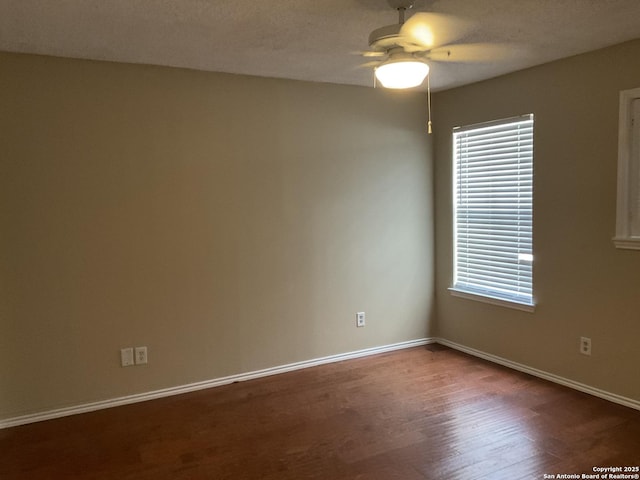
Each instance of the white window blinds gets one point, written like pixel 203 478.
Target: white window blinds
pixel 493 209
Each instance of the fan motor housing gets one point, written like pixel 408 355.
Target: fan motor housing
pixel 386 37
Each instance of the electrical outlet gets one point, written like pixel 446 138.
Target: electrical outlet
pixel 141 355
pixel 360 319
pixel 126 357
pixel 585 345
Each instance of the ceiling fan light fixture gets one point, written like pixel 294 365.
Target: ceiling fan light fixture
pixel 402 73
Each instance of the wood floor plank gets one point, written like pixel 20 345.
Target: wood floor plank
pixel 415 414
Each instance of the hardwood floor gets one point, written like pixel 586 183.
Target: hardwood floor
pixel 422 413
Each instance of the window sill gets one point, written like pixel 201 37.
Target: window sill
pixel 629 243
pixel 525 307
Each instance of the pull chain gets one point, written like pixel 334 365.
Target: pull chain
pixel 429 129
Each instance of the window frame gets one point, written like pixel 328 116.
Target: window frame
pixel 626 209
pixel 479 294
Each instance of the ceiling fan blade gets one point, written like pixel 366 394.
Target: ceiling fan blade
pixel 430 30
pixel 372 53
pixel 373 63
pixel 473 52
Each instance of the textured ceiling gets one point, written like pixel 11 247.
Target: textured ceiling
pixel 303 39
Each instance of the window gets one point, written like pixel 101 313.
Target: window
pixel 628 209
pixel 493 212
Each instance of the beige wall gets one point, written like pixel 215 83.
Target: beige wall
pixel 233 223
pixel 228 223
pixel 583 285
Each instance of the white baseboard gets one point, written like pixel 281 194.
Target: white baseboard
pixel 166 392
pixel 612 397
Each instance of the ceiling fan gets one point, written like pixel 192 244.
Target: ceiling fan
pixel 405 48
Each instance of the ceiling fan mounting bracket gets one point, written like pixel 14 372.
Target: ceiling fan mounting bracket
pixel 401 4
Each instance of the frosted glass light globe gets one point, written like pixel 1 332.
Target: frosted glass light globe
pixel 403 73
